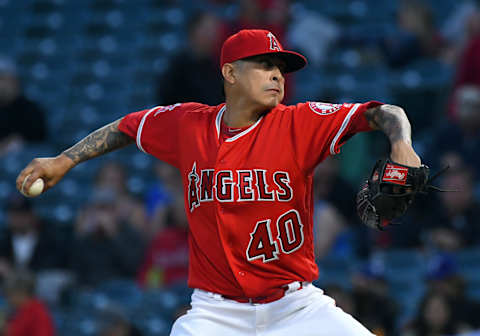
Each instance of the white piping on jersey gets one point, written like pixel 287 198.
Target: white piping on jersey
pixel 140 128
pixel 219 120
pixel 342 128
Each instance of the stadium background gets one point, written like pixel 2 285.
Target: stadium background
pixel 87 63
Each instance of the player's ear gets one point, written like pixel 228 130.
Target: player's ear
pixel 228 73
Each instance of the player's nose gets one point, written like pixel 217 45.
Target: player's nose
pixel 276 75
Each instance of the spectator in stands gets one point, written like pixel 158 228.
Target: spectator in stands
pixel 30 317
pixel 115 323
pixel 365 303
pixel 166 260
pixel 468 108
pixel 21 119
pixel 28 242
pixel 198 58
pixel 100 248
pixel 272 15
pixel 451 221
pixel 416 36
pixel 162 195
pixel 462 24
pixel 313 34
pixel 331 187
pixel 112 176
pixel 468 68
pixel 330 213
pixel 343 298
pixel 443 277
pixel 465 130
pixel 370 291
pixel 335 214
pixel 331 235
pixel 434 318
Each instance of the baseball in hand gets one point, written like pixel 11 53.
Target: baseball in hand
pixel 35 189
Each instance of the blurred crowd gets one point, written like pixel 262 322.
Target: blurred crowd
pixel 143 237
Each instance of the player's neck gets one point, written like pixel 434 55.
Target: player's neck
pixel 241 114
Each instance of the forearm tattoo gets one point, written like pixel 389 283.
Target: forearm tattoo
pixel 392 120
pixel 102 141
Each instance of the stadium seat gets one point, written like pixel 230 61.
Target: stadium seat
pixel 468 261
pixel 183 293
pixel 154 326
pixel 85 325
pixel 336 270
pixel 122 292
pixel 104 5
pixel 404 266
pixel 408 299
pixel 162 299
pixel 7 186
pixel 468 258
pixel 12 164
pixel 422 89
pixel 404 258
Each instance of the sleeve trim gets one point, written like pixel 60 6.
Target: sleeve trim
pixel 342 128
pixel 140 128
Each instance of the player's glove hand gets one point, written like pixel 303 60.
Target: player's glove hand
pixel 389 191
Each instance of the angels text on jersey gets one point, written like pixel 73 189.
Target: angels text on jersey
pixel 238 185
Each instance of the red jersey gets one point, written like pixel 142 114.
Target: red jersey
pixel 248 198
pixel 166 260
pixel 31 319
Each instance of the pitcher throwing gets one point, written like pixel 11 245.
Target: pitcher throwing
pixel 247 169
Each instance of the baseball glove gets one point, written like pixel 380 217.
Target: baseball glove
pixel 389 191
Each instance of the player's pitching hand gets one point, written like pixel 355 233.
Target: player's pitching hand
pixel 404 154
pixel 50 170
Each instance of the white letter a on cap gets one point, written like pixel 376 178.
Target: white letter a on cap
pixel 273 42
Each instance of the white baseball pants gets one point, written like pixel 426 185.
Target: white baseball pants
pixel 305 312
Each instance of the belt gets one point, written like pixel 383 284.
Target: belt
pixel 276 295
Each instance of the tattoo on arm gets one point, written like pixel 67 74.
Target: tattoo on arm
pixel 392 120
pixel 101 141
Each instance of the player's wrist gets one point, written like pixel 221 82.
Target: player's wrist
pixel 65 161
pixel 401 143
pixel 403 153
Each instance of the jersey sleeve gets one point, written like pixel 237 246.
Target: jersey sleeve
pixel 322 128
pixel 156 130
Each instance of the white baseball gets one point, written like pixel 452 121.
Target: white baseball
pixel 35 189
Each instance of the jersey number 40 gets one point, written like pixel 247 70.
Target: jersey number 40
pixel 290 237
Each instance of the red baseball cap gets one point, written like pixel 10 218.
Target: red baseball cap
pixel 253 42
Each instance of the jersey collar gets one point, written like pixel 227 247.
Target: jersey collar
pixel 218 121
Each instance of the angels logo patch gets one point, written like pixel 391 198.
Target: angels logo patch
pixel 395 174
pixel 324 108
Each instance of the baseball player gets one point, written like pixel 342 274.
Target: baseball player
pixel 247 169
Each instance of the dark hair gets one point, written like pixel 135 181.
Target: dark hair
pixel 20 281
pixel 420 324
pixel 195 20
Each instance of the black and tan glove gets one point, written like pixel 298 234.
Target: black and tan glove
pixel 389 192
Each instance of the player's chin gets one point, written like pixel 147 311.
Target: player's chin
pixel 272 101
pixel 270 105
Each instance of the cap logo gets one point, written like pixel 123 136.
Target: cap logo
pixel 273 42
pixel 395 174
